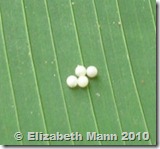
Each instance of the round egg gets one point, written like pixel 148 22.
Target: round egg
pixel 82 81
pixel 71 81
pixel 80 71
pixel 92 71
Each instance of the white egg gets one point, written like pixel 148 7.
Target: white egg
pixel 83 81
pixel 80 70
pixel 92 71
pixel 72 81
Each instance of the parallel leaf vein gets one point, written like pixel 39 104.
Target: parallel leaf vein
pixel 106 65
pixel 131 69
pixel 152 13
pixel 33 67
pixel 82 61
pixel 57 65
pixel 10 76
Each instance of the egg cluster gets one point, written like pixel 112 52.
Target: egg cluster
pixel 81 79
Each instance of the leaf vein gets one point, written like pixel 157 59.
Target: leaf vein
pixel 82 61
pixel 107 69
pixel 33 66
pixel 57 65
pixel 131 70
pixel 151 9
pixel 10 76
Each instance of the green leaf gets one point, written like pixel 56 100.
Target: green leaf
pixel 41 43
